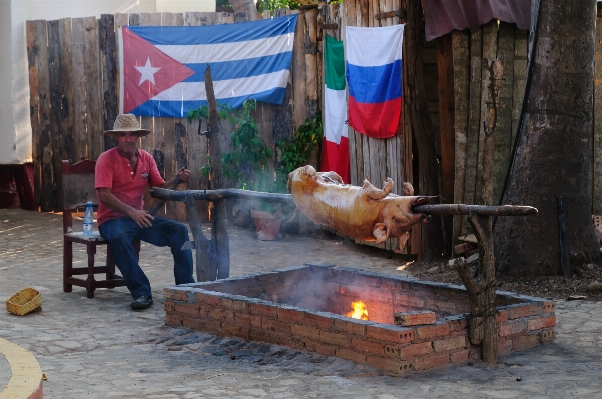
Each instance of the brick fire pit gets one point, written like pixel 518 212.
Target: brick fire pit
pixel 303 306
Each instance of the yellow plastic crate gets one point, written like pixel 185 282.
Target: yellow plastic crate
pixel 24 301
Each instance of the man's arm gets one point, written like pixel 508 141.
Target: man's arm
pixel 139 216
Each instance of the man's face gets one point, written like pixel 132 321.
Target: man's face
pixel 126 141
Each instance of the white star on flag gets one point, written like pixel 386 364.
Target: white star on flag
pixel 147 72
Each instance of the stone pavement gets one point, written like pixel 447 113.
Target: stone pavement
pixel 99 348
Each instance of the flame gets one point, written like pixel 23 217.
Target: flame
pixel 360 311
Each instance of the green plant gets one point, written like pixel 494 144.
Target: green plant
pixel 296 152
pixel 247 164
pixel 271 5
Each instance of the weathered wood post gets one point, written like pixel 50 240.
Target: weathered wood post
pixel 219 220
pixel 481 292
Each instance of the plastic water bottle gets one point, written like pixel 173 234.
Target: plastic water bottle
pixel 88 220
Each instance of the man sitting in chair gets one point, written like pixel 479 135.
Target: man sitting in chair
pixel 121 176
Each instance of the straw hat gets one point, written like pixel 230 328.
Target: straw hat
pixel 126 123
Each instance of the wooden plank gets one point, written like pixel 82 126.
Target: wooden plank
pixel 597 140
pixel 474 123
pixel 37 52
pixel 120 20
pixel 108 61
pixel 78 77
pixel 56 137
pixel 66 111
pixel 298 81
pixel 503 131
pixel 521 48
pixel 446 123
pixel 461 84
pixel 93 89
pixel 311 65
pixel 489 51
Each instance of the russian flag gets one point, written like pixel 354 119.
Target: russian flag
pixel 162 67
pixel 374 78
pixel 335 151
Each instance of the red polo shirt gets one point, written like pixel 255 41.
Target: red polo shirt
pixel 114 171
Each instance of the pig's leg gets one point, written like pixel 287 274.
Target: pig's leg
pixel 408 189
pixel 403 239
pixel 376 193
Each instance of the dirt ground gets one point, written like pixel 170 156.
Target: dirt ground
pixel 554 287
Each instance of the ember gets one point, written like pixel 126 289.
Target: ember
pixel 360 311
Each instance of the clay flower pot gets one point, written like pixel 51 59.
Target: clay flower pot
pixel 267 226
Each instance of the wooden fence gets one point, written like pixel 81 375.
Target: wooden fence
pixel 73 77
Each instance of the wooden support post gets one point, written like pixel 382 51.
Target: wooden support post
pixel 481 292
pixel 206 269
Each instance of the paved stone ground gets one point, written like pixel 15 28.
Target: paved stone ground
pixel 99 348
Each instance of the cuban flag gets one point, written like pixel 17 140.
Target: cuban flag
pixel 374 78
pixel 162 67
pixel 335 151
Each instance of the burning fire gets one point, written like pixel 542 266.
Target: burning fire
pixel 360 311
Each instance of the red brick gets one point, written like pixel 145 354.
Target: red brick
pixel 361 345
pixel 547 336
pixel 208 299
pixel 523 342
pixel 169 306
pixel 390 365
pixel 459 356
pixel 429 362
pixel 190 309
pixel 236 305
pixel 446 306
pixel 389 333
pixel 443 345
pixel 392 351
pixel 548 307
pixel 247 320
pixel 516 312
pixel 236 330
pixel 413 350
pixel 408 300
pixel 504 346
pixel 276 326
pixel 436 330
pixel 177 295
pixel 351 355
pixel 263 310
pixel 325 350
pixel 502 317
pixel 210 326
pixel 351 327
pixel 305 332
pixel 415 318
pixel 292 315
pixel 318 320
pixel 173 319
pixel 538 324
pixel 511 328
pixel 257 334
pixel 334 339
pixel 458 325
pixel 221 315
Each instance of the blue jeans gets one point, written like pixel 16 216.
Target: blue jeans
pixel 163 233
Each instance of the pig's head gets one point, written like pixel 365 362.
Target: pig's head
pixel 397 217
pixel 301 176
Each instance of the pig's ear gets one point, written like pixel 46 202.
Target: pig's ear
pixel 380 232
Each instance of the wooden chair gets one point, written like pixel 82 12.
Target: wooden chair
pixel 78 189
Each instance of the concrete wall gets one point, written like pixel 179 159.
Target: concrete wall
pixel 15 126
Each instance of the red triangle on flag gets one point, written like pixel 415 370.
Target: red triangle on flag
pixel 147 71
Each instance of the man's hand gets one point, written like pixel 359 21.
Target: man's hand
pixel 184 174
pixel 141 218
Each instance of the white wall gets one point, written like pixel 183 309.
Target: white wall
pixel 15 125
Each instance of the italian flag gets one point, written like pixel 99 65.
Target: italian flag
pixel 335 152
